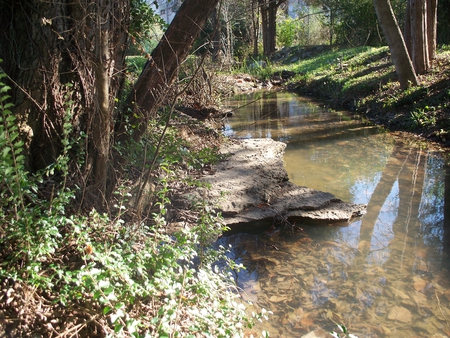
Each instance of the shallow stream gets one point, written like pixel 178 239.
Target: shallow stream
pixel 383 275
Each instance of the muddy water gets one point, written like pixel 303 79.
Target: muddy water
pixel 384 275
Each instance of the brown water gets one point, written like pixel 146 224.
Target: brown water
pixel 384 275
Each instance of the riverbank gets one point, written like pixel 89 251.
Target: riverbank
pixel 252 185
pixel 363 80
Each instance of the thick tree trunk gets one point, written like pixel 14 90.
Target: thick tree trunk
pixel 66 58
pixel 420 33
pixel 268 10
pixel 160 71
pixel 394 38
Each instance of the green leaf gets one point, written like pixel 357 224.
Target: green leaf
pixel 4 98
pixel 10 118
pixel 5 151
pixel 118 328
pixel 106 310
pixel 20 159
pixel 119 306
pixel 18 144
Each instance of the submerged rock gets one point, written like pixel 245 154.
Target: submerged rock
pixel 252 185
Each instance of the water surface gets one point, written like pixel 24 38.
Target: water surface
pixel 384 275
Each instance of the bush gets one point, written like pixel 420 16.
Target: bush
pixel 95 274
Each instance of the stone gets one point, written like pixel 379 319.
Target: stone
pixel 252 185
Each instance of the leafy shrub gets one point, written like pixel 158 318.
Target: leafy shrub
pixel 96 272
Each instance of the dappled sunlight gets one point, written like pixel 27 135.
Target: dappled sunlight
pixel 383 275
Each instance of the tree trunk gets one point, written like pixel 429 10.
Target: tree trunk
pixel 432 6
pixel 160 71
pixel 216 39
pixel 331 25
pixel 420 33
pixel 394 38
pixel 268 10
pixel 66 58
pixel 255 27
pixel 264 10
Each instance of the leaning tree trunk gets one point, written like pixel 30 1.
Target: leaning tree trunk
pixel 388 22
pixel 160 71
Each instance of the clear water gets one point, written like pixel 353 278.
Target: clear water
pixel 384 275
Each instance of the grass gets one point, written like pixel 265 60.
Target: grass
pixel 363 80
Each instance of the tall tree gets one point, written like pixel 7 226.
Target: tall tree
pixel 421 33
pixel 160 70
pixel 255 26
pixel 65 62
pixel 268 10
pixel 388 22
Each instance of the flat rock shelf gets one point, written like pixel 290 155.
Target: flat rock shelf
pixel 252 185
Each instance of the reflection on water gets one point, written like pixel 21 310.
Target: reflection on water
pixel 384 275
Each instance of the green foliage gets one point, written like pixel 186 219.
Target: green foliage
pixel 286 32
pixel 421 117
pixel 26 219
pixel 261 69
pixel 133 280
pixel 174 150
pixel 146 27
pixel 357 24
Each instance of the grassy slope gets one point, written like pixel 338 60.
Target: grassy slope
pixel 363 80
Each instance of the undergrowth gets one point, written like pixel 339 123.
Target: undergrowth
pixel 98 275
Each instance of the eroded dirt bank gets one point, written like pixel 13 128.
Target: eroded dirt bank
pixel 253 185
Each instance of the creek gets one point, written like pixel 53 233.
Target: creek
pixel 385 274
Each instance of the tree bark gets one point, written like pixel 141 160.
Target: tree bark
pixel 268 10
pixel 160 71
pixel 432 6
pixel 394 38
pixel 66 58
pixel 421 33
pixel 255 26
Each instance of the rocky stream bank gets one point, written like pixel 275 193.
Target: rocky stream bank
pixel 252 185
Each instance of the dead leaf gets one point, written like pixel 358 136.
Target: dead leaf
pixel 400 314
pixel 419 284
pixel 277 299
pixel 399 294
pixel 447 295
pixel 307 321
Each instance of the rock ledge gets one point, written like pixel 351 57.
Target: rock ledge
pixel 252 185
